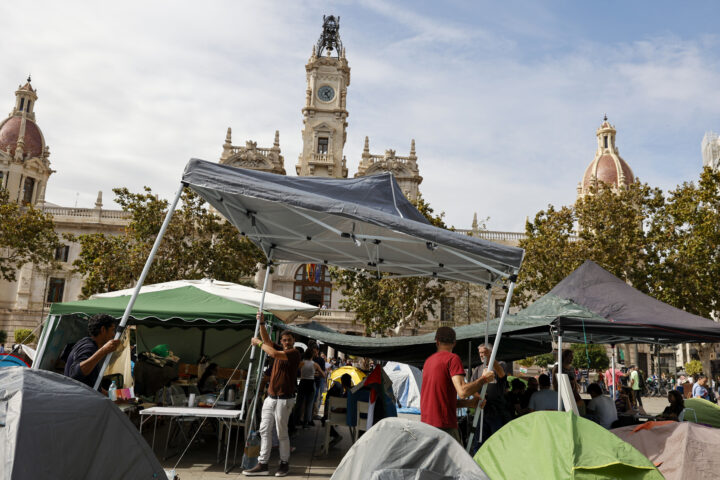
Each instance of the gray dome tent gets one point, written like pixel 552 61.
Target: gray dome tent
pixel 397 449
pixel 54 427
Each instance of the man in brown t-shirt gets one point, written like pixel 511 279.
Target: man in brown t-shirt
pixel 280 399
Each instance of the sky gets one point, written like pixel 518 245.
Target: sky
pixel 502 98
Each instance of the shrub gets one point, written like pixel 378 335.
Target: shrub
pixel 693 367
pixel 24 336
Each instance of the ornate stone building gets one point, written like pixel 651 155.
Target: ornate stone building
pixel 607 166
pixel 24 173
pixel 711 150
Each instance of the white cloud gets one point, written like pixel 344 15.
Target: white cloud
pixel 129 92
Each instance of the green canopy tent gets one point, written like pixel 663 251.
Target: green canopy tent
pixel 561 445
pixel 191 316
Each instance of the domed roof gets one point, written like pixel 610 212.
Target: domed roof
pixel 10 130
pixel 606 169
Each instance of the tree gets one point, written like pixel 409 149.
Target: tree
pixel 382 304
pixel 694 367
pixel 686 241
pixel 609 226
pixel 197 244
pixel 24 336
pixel 27 235
pixel 596 353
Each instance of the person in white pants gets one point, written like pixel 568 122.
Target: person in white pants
pixel 280 399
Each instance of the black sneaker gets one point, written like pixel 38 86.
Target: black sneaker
pixel 283 469
pixel 258 470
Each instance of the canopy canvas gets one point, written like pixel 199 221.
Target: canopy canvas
pixel 361 223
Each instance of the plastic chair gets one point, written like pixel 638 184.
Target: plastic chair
pixel 681 417
pixel 333 419
pixel 362 418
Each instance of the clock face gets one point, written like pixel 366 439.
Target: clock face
pixel 326 93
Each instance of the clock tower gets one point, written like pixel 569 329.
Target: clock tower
pixel 325 115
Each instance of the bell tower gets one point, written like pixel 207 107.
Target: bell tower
pixel 325 115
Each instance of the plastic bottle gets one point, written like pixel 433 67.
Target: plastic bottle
pixel 112 391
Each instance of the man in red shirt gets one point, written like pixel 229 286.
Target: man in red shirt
pixel 444 381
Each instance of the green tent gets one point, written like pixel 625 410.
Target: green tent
pixel 707 413
pixel 561 445
pixel 193 317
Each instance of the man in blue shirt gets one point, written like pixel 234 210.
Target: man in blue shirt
pixel 699 390
pixel 83 363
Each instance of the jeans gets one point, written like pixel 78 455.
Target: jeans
pixel 275 413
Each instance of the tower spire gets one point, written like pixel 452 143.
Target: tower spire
pixel 330 37
pixel 366 148
pixel 276 143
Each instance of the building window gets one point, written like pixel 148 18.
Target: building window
pixel 27 107
pixel 2 179
pixel 322 145
pixel 28 187
pixel 499 305
pixel 606 141
pixel 61 253
pixel 22 104
pixel 56 287
pixel 447 309
pixel 313 285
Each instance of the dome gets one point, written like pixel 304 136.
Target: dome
pixel 609 169
pixel 10 130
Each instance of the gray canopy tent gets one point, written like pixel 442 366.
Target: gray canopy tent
pixel 365 224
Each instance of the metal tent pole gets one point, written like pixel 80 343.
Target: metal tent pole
pixel 487 326
pixel 493 354
pixel 44 339
pixel 141 280
pixel 612 371
pixel 257 331
pixel 559 371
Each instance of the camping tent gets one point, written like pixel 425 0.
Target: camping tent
pixel 397 448
pixel 679 449
pixel 55 427
pixel 406 382
pixel 200 313
pixel 707 412
pixel 561 445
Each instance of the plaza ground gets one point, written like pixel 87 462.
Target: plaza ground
pixel 199 461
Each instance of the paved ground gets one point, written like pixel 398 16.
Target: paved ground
pixel 200 461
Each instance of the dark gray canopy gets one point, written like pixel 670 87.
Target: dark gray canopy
pixel 55 427
pixel 359 223
pixel 626 314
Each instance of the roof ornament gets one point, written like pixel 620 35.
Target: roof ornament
pixel 330 36
pixel 605 117
pixel 29 79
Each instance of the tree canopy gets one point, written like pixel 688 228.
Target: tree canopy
pixel 27 235
pixel 197 244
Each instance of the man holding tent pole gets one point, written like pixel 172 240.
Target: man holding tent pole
pixel 280 399
pixel 443 382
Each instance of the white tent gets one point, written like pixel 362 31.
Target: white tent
pixel 407 381
pixel 285 309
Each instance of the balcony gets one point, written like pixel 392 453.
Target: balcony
pixel 322 159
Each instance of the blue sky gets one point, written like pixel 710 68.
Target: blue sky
pixel 502 98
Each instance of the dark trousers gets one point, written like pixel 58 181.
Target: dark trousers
pixel 637 394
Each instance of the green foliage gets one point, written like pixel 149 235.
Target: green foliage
pixel 27 235
pixel 3 336
pixel 383 304
pixel 543 360
pixel 24 336
pixel 597 353
pixel 527 362
pixel 197 244
pixel 694 367
pixel 608 226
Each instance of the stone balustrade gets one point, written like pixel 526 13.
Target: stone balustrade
pixel 322 159
pixel 265 152
pixel 95 213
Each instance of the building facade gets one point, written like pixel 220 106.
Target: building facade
pixel 24 172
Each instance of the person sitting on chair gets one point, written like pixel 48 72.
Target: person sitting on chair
pixel 545 398
pixel 208 382
pixel 677 405
pixel 601 408
pixel 86 356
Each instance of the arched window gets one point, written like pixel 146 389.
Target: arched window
pixel 312 285
pixel 28 188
